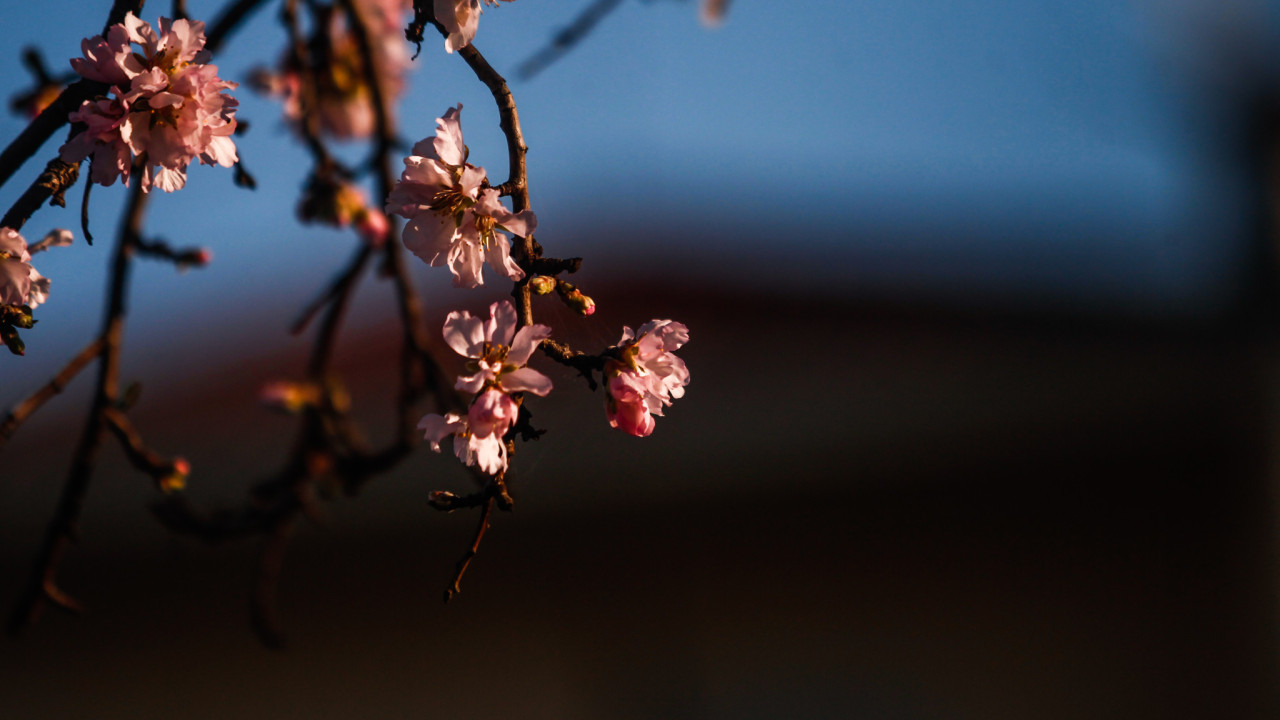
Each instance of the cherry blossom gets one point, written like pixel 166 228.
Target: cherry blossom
pixel 453 218
pixel 460 18
pixel 166 105
pixel 646 376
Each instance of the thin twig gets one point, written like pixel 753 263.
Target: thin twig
pixel 42 586
pixel 462 565
pixel 232 16
pixel 27 407
pixel 263 611
pixel 567 38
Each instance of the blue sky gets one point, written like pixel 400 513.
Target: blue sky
pixel 982 151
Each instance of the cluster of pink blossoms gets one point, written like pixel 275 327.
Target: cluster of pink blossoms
pixel 498 355
pixel 166 106
pixel 461 18
pixel 646 377
pixel 340 99
pixel 454 217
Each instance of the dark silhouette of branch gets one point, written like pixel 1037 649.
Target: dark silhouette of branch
pixel 55 116
pixel 27 407
pixel 465 562
pixel 230 20
pixel 567 38
pixel 42 586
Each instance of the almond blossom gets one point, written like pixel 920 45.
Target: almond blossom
pixel 453 218
pixel 498 354
pixel 461 18
pixel 497 350
pixel 646 376
pixel 20 283
pixel 166 105
pixel 487 452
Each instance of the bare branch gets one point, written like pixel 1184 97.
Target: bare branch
pixel 27 407
pixel 567 38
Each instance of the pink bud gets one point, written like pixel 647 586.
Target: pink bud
pixel 373 226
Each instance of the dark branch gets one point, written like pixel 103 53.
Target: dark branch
pixel 567 38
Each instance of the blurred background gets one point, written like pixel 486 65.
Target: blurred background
pixel 984 400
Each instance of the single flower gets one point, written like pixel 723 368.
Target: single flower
pixel 497 351
pixel 20 283
pixel 645 375
pixel 487 452
pixel 453 219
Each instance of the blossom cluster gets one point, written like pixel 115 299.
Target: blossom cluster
pixel 498 354
pixel 166 105
pixel 332 89
pixel 455 218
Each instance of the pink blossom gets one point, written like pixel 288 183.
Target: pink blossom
pixel 499 352
pixel 166 105
pixel 460 18
pixel 646 375
pixel 453 219
pixel 480 239
pixel 20 282
pixel 487 452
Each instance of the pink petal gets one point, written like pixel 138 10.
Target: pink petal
pixel 526 342
pixel 526 379
pixel 502 323
pixel 436 428
pixel 499 257
pixel 464 333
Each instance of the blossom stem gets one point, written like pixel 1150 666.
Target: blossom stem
pixel 518 180
pixel 465 562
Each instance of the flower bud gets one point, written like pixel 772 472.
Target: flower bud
pixel 574 298
pixel 372 226
pixel 18 316
pixel 441 500
pixel 9 335
pixel 542 285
